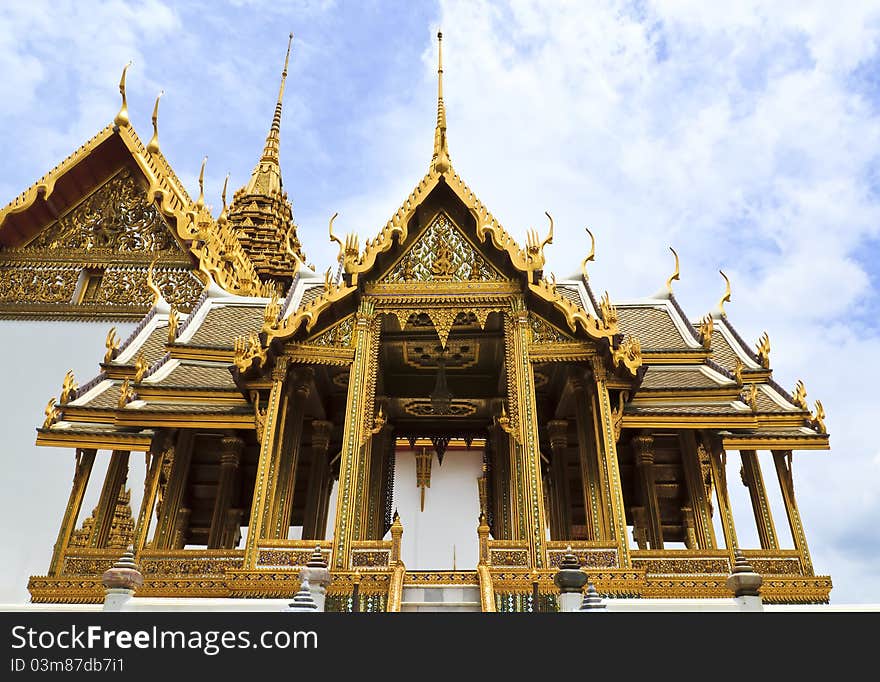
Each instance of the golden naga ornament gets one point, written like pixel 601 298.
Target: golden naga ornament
pixel 764 350
pixel 153 144
pixel 126 395
pixel 590 256
pixel 121 120
pixel 751 397
pixel 173 322
pixel 818 418
pixel 68 387
pixel 112 345
pixel 140 368
pixel 800 395
pixel 726 297
pixel 738 372
pixel 52 413
pixel 675 275
pixel 707 326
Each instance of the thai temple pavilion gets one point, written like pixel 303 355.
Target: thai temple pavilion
pixel 267 397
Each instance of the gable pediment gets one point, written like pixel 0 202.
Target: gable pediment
pixel 441 253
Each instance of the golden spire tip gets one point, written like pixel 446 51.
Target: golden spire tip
pixel 440 162
pixel 675 275
pixel 200 202
pixel 726 297
pixel 153 144
pixel 121 120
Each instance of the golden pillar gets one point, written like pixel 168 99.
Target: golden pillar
pixel 643 449
pixel 589 462
pixel 172 513
pixel 318 480
pixel 782 460
pixel 154 458
pixel 606 441
pixel 84 460
pixel 351 475
pixel 526 445
pixel 300 388
pixel 754 481
pixel 272 425
pixel 230 458
pixel 718 462
pixel 699 491
pixel 114 484
pixel 560 519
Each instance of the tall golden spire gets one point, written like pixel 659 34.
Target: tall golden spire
pixel 267 175
pixel 440 162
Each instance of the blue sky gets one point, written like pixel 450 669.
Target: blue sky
pixel 745 134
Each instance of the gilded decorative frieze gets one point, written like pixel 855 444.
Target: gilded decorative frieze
pixel 508 557
pixel 692 566
pixel 375 559
pixel 587 558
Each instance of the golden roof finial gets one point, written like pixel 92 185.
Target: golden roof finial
pixel 151 282
pixel 122 119
pixel 270 151
pixel 440 162
pixel 590 256
pixel 675 275
pixel 200 202
pixel 266 177
pixel 726 297
pixel 153 144
pixel 221 219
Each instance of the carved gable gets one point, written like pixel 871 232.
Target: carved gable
pixel 442 253
pixel 92 261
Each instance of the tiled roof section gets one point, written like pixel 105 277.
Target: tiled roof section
pixel 310 294
pixel 108 398
pixel 766 404
pixel 138 329
pixel 199 376
pixel 194 408
pixel 694 332
pixel 677 378
pixel 572 294
pixel 722 353
pixel 153 347
pixel 222 325
pixel 720 408
pixel 653 327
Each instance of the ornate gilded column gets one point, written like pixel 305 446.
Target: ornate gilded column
pixel 114 482
pixel 154 461
pixel 175 490
pixel 782 460
pixel 560 519
pixel 361 384
pixel 754 481
pixel 699 485
pixel 273 422
pixel 525 434
pixel 643 450
pixel 718 461
pixel 589 462
pixel 84 459
pixel 300 387
pixel 230 458
pixel 606 440
pixel 321 432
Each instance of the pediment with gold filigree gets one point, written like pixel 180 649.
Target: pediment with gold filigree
pixel 442 253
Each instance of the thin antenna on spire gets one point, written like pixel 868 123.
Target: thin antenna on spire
pixel 440 162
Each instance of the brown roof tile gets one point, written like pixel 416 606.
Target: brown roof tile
pixel 653 327
pixel 677 378
pixel 198 376
pixel 222 325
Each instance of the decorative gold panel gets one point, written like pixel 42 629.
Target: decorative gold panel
pixel 459 354
pixel 117 217
pixel 424 408
pixel 442 253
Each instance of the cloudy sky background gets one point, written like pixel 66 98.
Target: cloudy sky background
pixel 744 134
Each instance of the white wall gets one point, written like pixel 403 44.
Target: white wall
pixel 452 510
